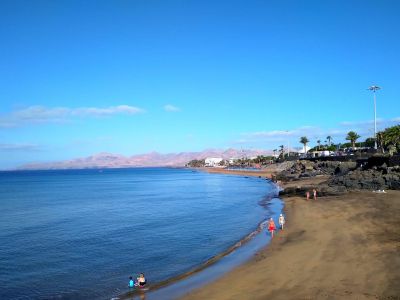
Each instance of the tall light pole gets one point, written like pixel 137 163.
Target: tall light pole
pixel 374 88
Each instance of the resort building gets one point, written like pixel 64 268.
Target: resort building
pixel 212 161
pixel 301 151
pixel 233 160
pixel 321 153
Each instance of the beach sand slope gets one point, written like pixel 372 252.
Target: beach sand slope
pixel 343 247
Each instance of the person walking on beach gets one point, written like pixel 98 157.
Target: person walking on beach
pixel 271 227
pixel 281 221
pixel 308 195
pixel 315 194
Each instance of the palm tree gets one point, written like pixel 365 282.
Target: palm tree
pixel 319 144
pixel 329 138
pixel 281 149
pixel 304 140
pixel 275 150
pixel 391 136
pixel 352 137
pixel 379 141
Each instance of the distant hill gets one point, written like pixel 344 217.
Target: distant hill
pixel 152 159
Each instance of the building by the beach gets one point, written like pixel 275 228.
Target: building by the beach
pixel 213 161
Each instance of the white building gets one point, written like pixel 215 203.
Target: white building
pixel 212 161
pixel 233 160
pixel 301 151
pixel 321 153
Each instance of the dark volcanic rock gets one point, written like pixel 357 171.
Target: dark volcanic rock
pixel 345 167
pixel 296 191
pixel 322 190
pixel 306 168
pixel 377 174
pixel 377 178
pixel 326 190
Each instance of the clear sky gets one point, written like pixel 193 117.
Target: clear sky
pixel 130 77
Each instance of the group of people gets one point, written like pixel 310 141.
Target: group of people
pixel 271 224
pixel 140 281
pixel 314 194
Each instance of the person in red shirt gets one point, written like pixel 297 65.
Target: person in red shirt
pixel 271 227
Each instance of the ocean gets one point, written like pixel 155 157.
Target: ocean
pixel 80 234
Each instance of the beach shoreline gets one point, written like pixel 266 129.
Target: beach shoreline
pixel 264 173
pixel 158 287
pixel 338 247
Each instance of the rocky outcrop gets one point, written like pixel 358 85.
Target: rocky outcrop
pixel 377 178
pixel 378 173
pixel 306 168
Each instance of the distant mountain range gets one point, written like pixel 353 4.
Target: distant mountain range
pixel 152 159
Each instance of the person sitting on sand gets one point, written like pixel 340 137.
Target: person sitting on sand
pixel 281 221
pixel 131 283
pixel 140 281
pixel 271 227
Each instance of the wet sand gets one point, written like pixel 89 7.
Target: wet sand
pixel 343 247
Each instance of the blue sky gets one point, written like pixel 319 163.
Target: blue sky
pixel 129 77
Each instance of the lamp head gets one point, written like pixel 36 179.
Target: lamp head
pixel 374 88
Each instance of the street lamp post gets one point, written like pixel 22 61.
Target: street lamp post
pixel 374 88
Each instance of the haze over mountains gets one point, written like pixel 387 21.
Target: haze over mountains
pixel 152 159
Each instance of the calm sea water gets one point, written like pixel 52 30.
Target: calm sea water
pixel 79 234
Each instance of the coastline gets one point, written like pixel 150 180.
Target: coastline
pixel 338 247
pixel 155 291
pixel 267 173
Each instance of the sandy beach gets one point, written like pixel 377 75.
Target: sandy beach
pixel 338 247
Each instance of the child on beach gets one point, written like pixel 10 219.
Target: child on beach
pixel 140 281
pixel 315 194
pixel 308 195
pixel 131 283
pixel 281 221
pixel 271 227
